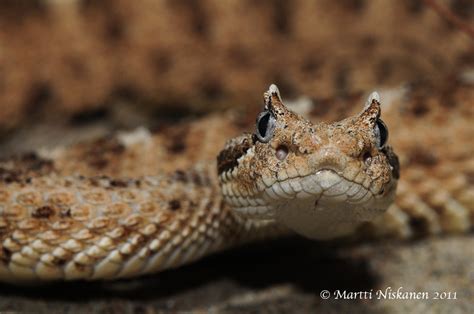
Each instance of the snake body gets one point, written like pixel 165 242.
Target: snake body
pixel 97 228
pixel 61 221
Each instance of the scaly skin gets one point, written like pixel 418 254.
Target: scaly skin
pixel 57 224
pixel 99 228
pixel 320 180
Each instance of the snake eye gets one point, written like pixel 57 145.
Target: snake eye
pixel 381 134
pixel 265 126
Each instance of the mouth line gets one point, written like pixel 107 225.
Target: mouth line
pixel 341 176
pixel 311 186
pixel 317 202
pixel 323 189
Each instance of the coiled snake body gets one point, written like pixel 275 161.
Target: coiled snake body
pixel 320 180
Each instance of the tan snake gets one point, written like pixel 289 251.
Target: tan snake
pixel 321 180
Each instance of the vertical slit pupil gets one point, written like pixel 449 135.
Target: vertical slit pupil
pixel 383 132
pixel 263 125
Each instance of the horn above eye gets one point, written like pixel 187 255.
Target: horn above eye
pixel 265 126
pixel 381 134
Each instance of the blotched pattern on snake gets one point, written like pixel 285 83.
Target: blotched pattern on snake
pixel 321 180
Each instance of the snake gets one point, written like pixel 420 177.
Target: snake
pixel 323 181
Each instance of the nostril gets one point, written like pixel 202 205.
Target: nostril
pixel 281 152
pixel 367 157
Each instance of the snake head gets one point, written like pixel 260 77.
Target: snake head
pixel 321 180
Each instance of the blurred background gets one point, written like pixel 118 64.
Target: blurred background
pixel 65 63
pixel 72 70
